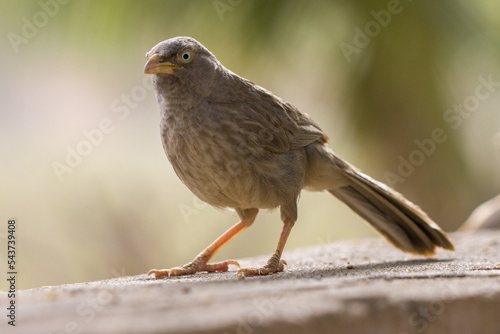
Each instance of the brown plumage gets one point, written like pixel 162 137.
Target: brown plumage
pixel 236 145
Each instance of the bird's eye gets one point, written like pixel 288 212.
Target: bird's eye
pixel 186 56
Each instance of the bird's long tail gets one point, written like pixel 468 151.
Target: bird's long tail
pixel 400 221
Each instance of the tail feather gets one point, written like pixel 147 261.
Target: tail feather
pixel 400 221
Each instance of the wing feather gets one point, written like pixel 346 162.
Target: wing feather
pixel 270 122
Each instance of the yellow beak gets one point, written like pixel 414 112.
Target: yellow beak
pixel 154 66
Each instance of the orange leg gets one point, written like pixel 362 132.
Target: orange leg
pixel 275 263
pixel 200 262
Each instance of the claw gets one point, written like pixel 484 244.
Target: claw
pixel 158 272
pixel 260 271
pixel 194 267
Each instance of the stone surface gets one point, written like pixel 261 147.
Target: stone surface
pixel 363 286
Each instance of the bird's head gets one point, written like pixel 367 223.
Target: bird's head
pixel 181 57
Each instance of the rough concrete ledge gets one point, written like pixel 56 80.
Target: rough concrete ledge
pixel 362 286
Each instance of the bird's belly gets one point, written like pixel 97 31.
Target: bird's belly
pixel 224 176
pixel 225 181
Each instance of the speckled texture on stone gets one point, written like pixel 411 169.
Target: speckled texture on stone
pixel 383 291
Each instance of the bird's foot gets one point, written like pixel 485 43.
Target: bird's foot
pixel 270 268
pixel 197 265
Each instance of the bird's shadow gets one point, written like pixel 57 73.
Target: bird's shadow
pixel 402 263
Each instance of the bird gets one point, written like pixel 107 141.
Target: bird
pixel 238 146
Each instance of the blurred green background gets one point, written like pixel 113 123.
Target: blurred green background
pixel 377 75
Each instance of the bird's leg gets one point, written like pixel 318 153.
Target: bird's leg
pixel 200 262
pixel 275 263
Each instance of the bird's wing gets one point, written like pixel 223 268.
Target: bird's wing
pixel 275 124
pixel 309 131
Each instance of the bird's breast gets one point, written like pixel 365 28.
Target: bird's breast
pixel 218 163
